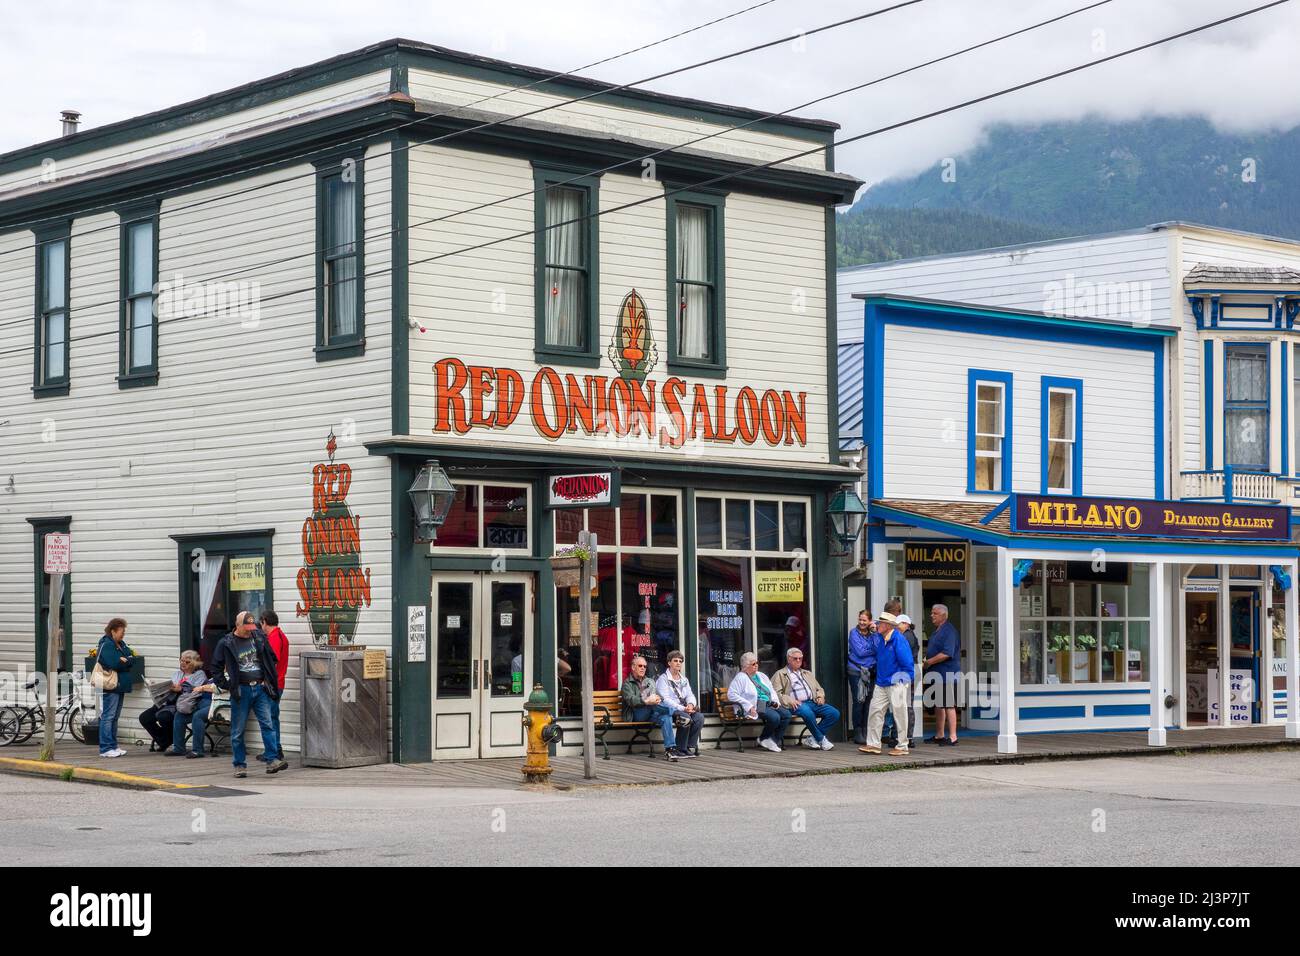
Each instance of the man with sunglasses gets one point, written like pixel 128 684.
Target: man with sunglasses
pixel 641 703
pixel 245 665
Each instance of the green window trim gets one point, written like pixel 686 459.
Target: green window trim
pixel 588 356
pixel 716 366
pixel 40 528
pixel 328 170
pixel 44 385
pixel 131 373
pixel 226 544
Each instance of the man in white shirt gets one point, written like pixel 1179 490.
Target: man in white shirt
pixel 755 697
pixel 674 689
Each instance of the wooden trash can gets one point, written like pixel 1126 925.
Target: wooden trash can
pixel 344 714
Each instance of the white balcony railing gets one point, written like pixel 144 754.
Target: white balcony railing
pixel 1248 487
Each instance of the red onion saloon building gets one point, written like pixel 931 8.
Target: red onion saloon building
pixel 253 319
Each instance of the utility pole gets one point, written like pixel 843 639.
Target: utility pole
pixel 587 543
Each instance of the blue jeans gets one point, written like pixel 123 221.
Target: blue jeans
pixel 858 708
pixel 252 697
pixel 661 715
pixel 197 721
pixel 275 719
pixel 819 718
pixel 775 720
pixel 109 710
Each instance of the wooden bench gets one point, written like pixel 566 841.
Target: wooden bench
pixel 733 720
pixel 607 706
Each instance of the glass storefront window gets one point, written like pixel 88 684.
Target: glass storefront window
pixel 1139 647
pixel 1089 629
pixel 753 536
pixel 631 521
pixel 1031 652
pixel 636 607
pixel 505 517
pixel 485 516
pixel 723 601
pixel 708 522
pixel 767 526
pixel 460 530
pixel 663 521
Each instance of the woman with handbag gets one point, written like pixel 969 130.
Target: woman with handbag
pixel 112 678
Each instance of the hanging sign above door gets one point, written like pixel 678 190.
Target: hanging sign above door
pixel 592 488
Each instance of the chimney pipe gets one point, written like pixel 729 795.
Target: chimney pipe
pixel 70 120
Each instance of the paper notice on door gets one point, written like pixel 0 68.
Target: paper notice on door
pixel 507 619
pixel 453 622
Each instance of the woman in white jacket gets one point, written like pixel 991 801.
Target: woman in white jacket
pixel 753 695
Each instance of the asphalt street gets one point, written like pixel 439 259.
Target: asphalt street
pixel 1214 809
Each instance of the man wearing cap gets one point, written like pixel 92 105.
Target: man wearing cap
pixel 798 690
pixel 894 666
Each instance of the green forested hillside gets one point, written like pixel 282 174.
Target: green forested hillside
pixel 1062 179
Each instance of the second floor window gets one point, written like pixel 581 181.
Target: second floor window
pixel 139 333
pixel 566 268
pixel 1246 407
pixel 52 325
pixel 1061 440
pixel 990 429
pixel 695 311
pixel 340 258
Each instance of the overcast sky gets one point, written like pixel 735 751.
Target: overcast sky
pixel 113 60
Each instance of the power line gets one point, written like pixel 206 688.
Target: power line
pixel 334 147
pixel 766 165
pixel 628 162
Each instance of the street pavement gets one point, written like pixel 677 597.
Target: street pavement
pixel 1233 809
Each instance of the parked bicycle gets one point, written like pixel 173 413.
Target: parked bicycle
pixel 19 723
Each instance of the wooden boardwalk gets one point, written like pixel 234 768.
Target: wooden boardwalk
pixel 638 770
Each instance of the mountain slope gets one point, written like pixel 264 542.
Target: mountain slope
pixel 1086 176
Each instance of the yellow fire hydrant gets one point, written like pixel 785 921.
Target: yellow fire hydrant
pixel 542 729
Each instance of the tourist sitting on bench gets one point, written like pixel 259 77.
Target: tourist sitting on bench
pixel 755 697
pixel 641 703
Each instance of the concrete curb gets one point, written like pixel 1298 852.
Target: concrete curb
pixel 105 778
pixel 887 766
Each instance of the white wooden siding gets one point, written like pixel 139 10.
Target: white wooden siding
pixel 1024 277
pixel 226 441
pixel 478 306
pixel 925 412
pixel 205 132
pixel 597 115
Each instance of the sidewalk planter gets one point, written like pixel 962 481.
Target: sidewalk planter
pixel 344 713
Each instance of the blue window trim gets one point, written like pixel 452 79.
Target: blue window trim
pixel 974 377
pixel 1267 405
pixel 1075 385
pixel 1286 392
pixel 1207 372
pixel 889 310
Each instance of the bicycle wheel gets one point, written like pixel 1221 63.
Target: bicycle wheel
pixel 77 723
pixel 11 719
pixel 33 723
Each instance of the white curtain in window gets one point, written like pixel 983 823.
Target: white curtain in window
pixel 341 252
pixel 209 574
pixel 1247 375
pixel 692 266
pixel 565 294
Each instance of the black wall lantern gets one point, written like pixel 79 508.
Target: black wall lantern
pixel 431 496
pixel 847 514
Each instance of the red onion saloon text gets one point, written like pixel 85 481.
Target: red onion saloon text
pixel 480 396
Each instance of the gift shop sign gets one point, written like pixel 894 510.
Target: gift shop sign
pixel 1141 517
pixel 333 586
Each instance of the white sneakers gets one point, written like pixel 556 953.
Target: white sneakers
pixel 826 743
pixel 811 744
pixel 768 744
pixel 119 752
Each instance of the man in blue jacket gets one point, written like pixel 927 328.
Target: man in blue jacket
pixel 894 668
